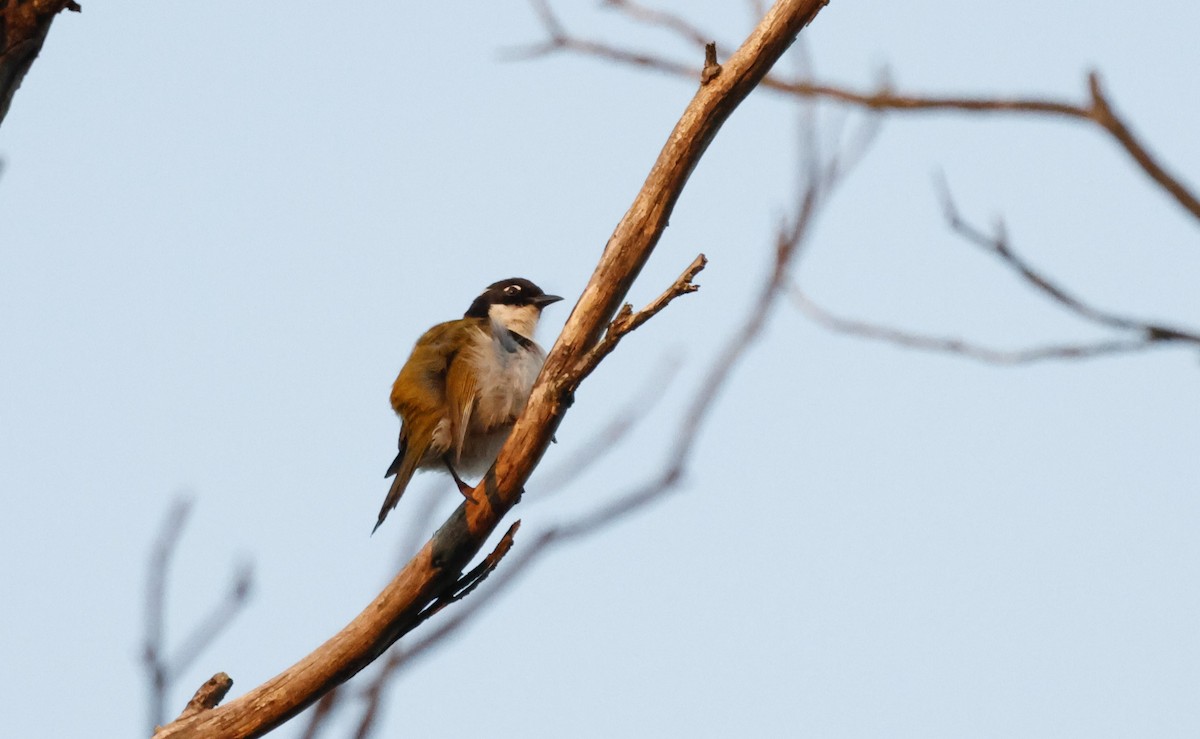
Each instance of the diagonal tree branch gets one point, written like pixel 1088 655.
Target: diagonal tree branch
pixel 822 178
pixel 436 567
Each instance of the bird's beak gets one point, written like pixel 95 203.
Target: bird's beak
pixel 542 301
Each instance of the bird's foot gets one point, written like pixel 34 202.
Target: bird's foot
pixel 467 491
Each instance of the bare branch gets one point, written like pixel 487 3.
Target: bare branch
pixel 1098 110
pixel 477 575
pixel 999 246
pixel 628 321
pixel 156 604
pixel 372 694
pixel 1103 115
pixel 961 347
pixel 435 569
pixel 1144 336
pixel 662 19
pixel 558 39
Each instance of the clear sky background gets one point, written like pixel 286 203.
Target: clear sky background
pixel 223 225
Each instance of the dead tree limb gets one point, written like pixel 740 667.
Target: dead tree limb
pixel 437 567
pixel 824 174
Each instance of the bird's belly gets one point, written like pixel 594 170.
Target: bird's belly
pixel 504 379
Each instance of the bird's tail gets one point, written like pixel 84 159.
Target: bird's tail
pixel 403 468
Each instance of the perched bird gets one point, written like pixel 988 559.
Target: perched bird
pixel 464 384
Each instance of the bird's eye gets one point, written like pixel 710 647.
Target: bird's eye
pixel 512 289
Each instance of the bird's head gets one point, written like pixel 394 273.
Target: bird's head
pixel 515 303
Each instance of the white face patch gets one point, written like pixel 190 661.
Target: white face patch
pixel 521 319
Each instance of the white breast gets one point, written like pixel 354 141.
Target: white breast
pixel 504 371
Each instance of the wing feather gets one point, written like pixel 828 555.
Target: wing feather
pixel 461 392
pixel 434 391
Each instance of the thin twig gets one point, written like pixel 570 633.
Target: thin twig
pixel 677 24
pixel 998 245
pixel 321 713
pixel 480 572
pixel 162 669
pixel 1137 335
pixel 961 347
pixel 156 605
pixel 627 321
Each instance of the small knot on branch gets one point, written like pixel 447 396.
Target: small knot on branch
pixel 208 695
pixel 1163 333
pixel 1101 111
pixel 711 68
pixel 620 323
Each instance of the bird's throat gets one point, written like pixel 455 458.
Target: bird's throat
pixel 520 319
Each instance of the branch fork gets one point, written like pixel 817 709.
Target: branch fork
pixel 626 321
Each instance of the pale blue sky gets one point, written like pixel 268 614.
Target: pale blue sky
pixel 225 224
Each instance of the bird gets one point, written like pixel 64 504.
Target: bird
pixel 464 384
